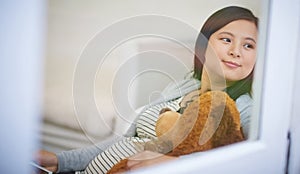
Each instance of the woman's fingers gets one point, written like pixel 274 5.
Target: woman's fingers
pixel 47 160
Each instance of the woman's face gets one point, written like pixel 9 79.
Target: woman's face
pixel 231 52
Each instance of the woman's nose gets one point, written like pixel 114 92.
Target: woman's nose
pixel 234 51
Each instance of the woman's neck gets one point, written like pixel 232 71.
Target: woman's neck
pixel 210 82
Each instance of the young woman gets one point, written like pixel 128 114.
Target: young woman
pixel 225 56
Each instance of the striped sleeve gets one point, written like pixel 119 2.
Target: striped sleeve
pixel 114 154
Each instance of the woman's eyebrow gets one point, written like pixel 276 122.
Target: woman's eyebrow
pixel 246 38
pixel 250 38
pixel 225 32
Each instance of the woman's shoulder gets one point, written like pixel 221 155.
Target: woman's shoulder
pixel 244 103
pixel 244 99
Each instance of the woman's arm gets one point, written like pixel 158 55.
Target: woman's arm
pixel 146 159
pixel 73 160
pixel 245 106
pixel 78 159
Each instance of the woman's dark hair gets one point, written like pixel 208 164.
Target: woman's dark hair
pixel 215 22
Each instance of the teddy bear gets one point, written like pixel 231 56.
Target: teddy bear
pixel 210 121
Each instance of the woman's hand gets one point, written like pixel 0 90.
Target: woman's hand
pixel 147 158
pixel 47 160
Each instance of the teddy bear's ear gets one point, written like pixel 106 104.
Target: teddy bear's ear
pixel 166 122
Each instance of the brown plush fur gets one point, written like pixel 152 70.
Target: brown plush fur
pixel 165 122
pixel 207 123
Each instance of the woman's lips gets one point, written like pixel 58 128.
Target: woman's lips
pixel 231 64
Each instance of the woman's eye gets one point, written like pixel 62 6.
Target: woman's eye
pixel 226 40
pixel 248 46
